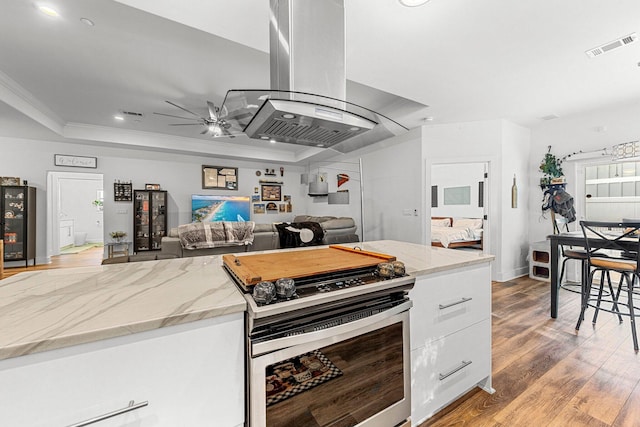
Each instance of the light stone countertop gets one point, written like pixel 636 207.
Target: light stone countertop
pixel 421 260
pixel 49 309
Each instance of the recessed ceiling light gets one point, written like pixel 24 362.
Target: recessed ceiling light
pixel 264 137
pixel 118 117
pixel 413 3
pixel 49 11
pixel 87 21
pixel 273 141
pixel 353 129
pixel 288 116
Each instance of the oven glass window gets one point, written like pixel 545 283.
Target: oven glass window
pixel 338 385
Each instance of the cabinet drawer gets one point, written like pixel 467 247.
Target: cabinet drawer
pixel 447 368
pixel 446 303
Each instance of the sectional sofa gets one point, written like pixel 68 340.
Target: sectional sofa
pixel 266 237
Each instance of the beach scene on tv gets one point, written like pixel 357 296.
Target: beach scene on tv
pixel 207 208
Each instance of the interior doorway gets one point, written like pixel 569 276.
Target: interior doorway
pixel 460 192
pixel 74 210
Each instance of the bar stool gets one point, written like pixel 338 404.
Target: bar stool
pixel 622 250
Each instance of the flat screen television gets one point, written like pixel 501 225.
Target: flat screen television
pixel 209 208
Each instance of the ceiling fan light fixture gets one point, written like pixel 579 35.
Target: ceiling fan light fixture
pixel 48 10
pixel 215 129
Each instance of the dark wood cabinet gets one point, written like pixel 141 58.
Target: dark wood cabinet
pixel 18 222
pixel 149 219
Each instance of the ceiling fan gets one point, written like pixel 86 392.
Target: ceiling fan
pixel 214 124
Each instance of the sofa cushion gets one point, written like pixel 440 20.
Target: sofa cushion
pixel 264 228
pixel 311 218
pixel 337 223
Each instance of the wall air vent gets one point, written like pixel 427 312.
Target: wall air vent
pixel 622 41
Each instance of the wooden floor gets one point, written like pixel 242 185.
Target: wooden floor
pixel 85 258
pixel 546 374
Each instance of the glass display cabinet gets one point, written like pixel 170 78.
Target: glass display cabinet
pixel 18 222
pixel 149 220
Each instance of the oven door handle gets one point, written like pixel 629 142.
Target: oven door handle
pixel 261 348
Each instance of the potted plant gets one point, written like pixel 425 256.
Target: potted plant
pixel 551 167
pixel 117 236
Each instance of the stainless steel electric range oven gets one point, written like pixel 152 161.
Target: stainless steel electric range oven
pixel 330 346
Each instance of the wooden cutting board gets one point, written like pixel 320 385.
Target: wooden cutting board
pixel 251 269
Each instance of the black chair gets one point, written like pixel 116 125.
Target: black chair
pixel 567 254
pixel 620 242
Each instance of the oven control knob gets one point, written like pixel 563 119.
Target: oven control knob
pixel 385 270
pixel 398 268
pixel 285 288
pixel 264 292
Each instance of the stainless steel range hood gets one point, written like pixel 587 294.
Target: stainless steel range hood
pixel 306 104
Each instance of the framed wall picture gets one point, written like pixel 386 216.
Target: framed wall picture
pixel 271 193
pixel 75 161
pixel 122 192
pixel 219 177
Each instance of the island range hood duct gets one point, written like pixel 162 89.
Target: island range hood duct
pixel 306 103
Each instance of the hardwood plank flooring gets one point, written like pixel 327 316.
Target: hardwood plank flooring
pixel 547 374
pixel 85 258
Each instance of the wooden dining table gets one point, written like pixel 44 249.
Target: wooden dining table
pixel 574 239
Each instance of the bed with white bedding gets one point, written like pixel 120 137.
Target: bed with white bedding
pixel 451 232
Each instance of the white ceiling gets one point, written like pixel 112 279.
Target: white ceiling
pixel 466 59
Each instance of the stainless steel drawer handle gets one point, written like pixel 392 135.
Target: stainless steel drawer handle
pixel 463 300
pixel 454 370
pixel 132 407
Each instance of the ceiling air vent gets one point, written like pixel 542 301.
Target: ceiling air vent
pixel 623 41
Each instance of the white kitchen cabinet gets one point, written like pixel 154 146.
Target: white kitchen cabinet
pixel 190 374
pixel 450 337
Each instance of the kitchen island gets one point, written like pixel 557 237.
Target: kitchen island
pixel 77 343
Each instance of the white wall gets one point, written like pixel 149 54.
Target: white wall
pixel 458 175
pixel 591 131
pixel 505 147
pixel 514 241
pixel 394 192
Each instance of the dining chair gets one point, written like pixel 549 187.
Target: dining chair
pixel 569 253
pixel 620 242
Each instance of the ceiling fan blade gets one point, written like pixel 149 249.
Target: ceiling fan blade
pixel 176 117
pixel 184 109
pixel 213 111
